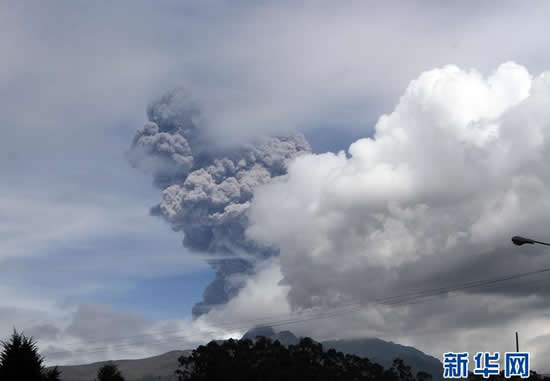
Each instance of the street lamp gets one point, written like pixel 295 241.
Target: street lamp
pixel 518 240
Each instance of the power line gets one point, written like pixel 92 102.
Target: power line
pixel 381 303
pixel 275 319
pixel 179 339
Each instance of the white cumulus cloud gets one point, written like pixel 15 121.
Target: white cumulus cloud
pixel 454 170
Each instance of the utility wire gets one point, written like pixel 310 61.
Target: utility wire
pixel 272 321
pixel 178 339
pixel 280 319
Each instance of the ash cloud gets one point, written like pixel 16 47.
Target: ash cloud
pixel 207 187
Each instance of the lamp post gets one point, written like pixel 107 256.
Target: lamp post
pixel 519 240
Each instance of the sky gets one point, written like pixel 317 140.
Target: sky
pixel 427 131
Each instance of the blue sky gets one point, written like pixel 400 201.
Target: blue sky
pixel 167 297
pixel 75 83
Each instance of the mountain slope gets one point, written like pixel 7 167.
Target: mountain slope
pixel 157 368
pixel 384 352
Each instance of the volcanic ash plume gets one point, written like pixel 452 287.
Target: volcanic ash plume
pixel 206 191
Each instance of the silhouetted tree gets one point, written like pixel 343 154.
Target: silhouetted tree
pixel 423 376
pixel 52 374
pixel 403 371
pixel 20 360
pixel 109 372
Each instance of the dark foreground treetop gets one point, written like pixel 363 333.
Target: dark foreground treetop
pixel 268 360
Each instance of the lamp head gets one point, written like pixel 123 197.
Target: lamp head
pixel 517 240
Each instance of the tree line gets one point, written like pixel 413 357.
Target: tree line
pixel 243 360
pixel 267 360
